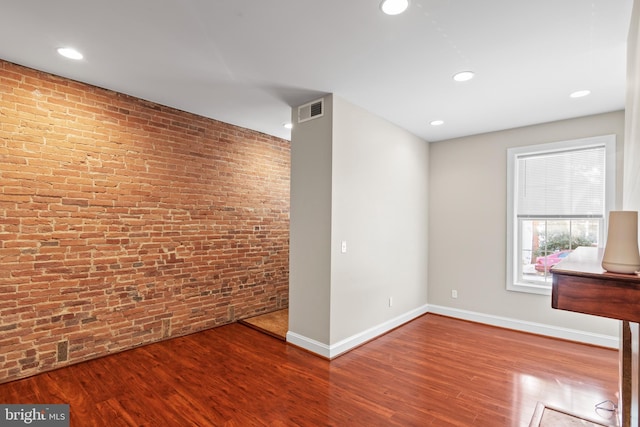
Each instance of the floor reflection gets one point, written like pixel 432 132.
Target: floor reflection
pixel 591 401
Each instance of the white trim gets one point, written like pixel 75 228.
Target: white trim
pixel 308 344
pixel 334 350
pixel 531 327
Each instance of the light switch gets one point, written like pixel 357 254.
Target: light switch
pixel 343 247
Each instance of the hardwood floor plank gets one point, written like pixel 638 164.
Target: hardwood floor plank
pixel 434 371
pixel 111 413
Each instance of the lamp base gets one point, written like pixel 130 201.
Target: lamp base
pixel 612 267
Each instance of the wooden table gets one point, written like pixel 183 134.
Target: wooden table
pixel 580 284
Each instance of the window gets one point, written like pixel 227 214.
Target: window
pixel 558 195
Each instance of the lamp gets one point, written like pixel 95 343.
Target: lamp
pixel 621 251
pixel 394 7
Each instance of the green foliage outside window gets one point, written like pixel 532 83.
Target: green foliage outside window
pixel 560 242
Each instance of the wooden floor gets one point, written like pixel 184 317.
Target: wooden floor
pixel 434 371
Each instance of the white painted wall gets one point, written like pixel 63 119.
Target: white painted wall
pixel 380 208
pixel 310 227
pixel 467 230
pixel 631 191
pixel 632 130
pixel 360 179
pixel 391 196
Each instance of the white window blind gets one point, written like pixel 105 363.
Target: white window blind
pixel 564 184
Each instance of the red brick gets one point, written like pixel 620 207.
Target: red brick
pixel 126 222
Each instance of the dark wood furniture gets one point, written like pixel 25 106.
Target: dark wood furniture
pixel 580 284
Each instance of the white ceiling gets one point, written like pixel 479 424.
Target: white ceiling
pixel 247 62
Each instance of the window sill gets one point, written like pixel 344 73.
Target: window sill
pixel 529 288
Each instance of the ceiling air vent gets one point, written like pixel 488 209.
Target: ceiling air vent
pixel 310 111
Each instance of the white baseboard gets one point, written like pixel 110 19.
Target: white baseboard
pixel 531 327
pixel 334 350
pixel 309 344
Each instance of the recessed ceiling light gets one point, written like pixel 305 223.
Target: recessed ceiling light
pixel 463 76
pixel 580 93
pixel 394 7
pixel 288 125
pixel 69 52
pixel 436 122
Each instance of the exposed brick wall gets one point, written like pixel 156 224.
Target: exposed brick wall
pixel 123 222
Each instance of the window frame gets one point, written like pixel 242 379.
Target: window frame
pixel 606 141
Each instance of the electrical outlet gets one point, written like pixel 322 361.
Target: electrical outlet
pixel 454 293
